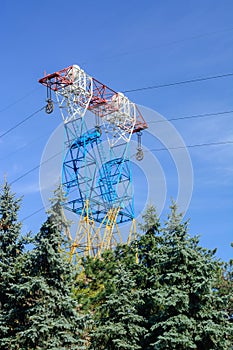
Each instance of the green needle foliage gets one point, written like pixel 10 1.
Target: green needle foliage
pixel 158 293
pixel 119 326
pixel 11 254
pixel 163 291
pixel 225 286
pixel 186 310
pixel 42 297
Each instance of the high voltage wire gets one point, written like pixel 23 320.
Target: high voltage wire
pixel 214 114
pixel 32 214
pixel 25 146
pixel 21 122
pixel 149 122
pixel 160 149
pixel 146 48
pixel 36 167
pixel 162 45
pixel 156 149
pixel 18 100
pixel 195 80
pixel 170 43
pixel 152 150
pixel 219 143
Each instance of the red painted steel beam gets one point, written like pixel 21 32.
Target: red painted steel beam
pixel 58 80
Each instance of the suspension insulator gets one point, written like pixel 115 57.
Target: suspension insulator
pixel 139 154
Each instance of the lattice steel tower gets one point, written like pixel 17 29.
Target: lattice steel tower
pixel 97 176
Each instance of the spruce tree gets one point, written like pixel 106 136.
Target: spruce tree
pixel 190 313
pixel 49 317
pixel 119 326
pixel 150 220
pixel 11 253
pixel 172 290
pixel 94 281
pixel 225 287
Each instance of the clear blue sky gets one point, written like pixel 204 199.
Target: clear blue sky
pixel 127 45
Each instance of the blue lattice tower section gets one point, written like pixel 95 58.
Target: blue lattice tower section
pixel 115 184
pixel 97 175
pixel 79 169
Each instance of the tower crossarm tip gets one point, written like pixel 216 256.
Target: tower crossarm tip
pixel 140 123
pixel 58 80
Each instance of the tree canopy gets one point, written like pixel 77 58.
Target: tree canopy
pixel 162 291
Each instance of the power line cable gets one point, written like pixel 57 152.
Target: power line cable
pixel 191 146
pixel 214 114
pixel 219 143
pixel 23 147
pixel 149 122
pixel 126 53
pixel 157 46
pixel 32 214
pixel 21 122
pixel 153 150
pixel 171 119
pixel 133 90
pixel 36 167
pixel 18 100
pixel 39 210
pixel 195 80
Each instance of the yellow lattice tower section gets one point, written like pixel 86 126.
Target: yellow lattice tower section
pixel 132 232
pixel 86 239
pixel 111 235
pixel 92 240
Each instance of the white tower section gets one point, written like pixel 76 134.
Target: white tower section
pixel 77 92
pixel 74 98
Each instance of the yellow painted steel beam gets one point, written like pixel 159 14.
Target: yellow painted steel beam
pixel 92 240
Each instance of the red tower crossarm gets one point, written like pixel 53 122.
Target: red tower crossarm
pixel 102 101
pixel 58 80
pixel 140 124
pixel 105 101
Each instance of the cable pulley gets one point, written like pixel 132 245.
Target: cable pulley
pixel 49 107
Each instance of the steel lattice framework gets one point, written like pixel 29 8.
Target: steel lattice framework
pixel 97 175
